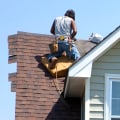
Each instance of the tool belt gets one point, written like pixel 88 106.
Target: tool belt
pixel 60 38
pixel 54 48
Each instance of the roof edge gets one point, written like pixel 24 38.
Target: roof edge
pixel 106 39
pixel 30 33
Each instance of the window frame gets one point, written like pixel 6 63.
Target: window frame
pixel 108 89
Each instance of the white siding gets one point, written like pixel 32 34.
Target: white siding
pixel 108 63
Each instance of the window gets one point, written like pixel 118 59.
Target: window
pixel 115 100
pixel 112 97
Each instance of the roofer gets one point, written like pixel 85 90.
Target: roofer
pixel 64 28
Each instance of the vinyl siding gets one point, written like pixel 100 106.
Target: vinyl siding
pixel 108 63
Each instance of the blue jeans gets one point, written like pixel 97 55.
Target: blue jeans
pixel 64 46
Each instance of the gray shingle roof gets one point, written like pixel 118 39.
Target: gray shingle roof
pixel 84 46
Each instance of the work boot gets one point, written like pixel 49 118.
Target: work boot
pixel 53 62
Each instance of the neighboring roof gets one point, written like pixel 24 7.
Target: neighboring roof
pixel 37 96
pixel 96 52
pixel 82 68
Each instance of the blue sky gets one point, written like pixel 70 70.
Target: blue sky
pixel 36 16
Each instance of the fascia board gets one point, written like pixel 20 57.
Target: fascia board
pixel 85 72
pixel 66 87
pixel 82 73
pixel 95 53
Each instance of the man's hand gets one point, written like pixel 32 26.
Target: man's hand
pixel 69 40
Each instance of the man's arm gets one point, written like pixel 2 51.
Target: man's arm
pixel 74 28
pixel 53 28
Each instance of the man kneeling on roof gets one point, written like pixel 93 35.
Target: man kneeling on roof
pixel 64 28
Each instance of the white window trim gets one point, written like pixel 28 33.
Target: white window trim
pixel 107 94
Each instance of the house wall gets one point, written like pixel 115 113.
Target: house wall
pixel 108 63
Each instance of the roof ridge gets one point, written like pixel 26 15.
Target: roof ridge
pixel 35 34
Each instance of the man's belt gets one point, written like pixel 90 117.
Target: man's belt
pixel 61 38
pixel 64 38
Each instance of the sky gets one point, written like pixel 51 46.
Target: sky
pixel 36 16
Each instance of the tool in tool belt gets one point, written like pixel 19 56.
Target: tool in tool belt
pixel 54 46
